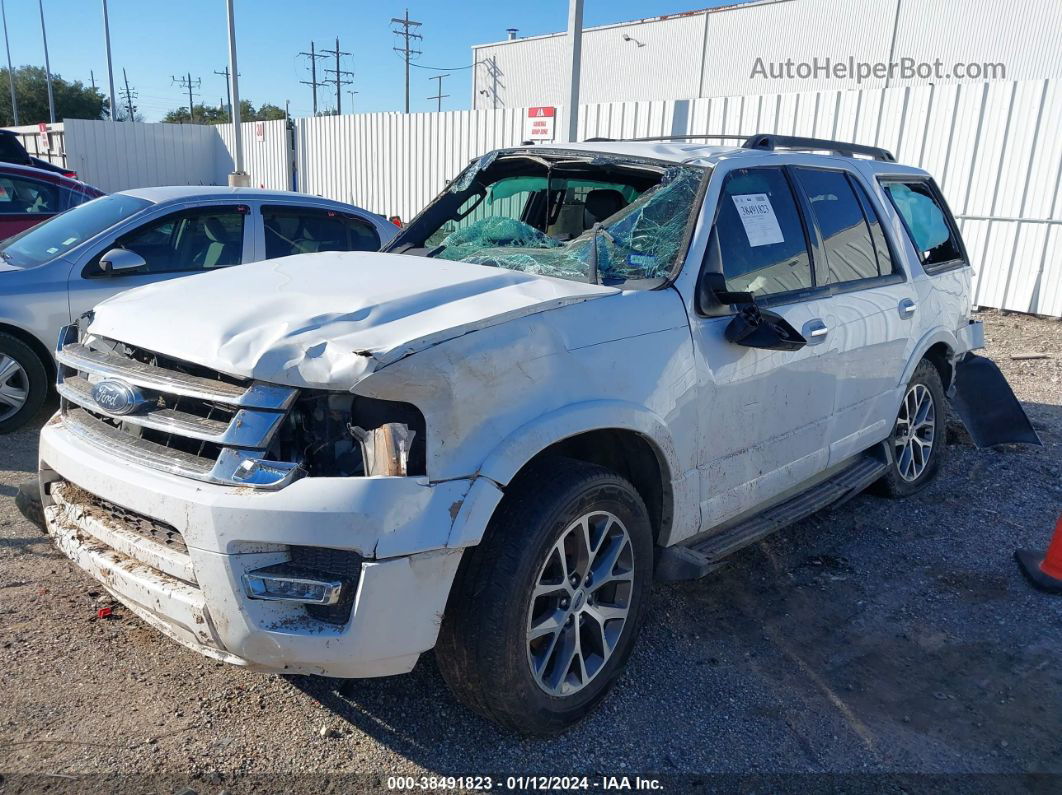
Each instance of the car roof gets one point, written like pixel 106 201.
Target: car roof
pixel 45 175
pixel 694 153
pixel 168 193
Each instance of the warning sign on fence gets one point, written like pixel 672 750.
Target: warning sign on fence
pixel 540 124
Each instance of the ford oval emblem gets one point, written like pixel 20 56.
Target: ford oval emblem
pixel 117 397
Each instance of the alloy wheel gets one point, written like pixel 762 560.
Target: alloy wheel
pixel 580 603
pixel 14 386
pixel 915 432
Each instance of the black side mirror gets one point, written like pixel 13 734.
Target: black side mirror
pixel 760 328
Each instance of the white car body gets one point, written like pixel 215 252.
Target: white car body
pixel 502 365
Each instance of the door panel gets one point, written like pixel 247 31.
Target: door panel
pixel 765 417
pixel 870 314
pixel 871 336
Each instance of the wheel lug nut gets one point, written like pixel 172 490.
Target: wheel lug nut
pixel 564 603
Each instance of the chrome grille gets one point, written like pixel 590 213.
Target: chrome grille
pixel 185 419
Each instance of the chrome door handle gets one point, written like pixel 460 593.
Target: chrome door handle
pixel 907 307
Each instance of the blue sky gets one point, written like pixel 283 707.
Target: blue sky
pixel 155 39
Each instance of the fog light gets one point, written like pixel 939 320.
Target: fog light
pixel 287 583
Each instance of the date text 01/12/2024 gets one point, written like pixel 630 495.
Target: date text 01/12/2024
pixel 524 783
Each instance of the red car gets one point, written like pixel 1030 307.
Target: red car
pixel 31 195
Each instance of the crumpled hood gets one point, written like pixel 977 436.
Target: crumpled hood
pixel 325 320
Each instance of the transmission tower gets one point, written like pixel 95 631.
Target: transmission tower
pixel 313 55
pixel 186 82
pixel 339 74
pixel 407 53
pixel 439 95
pixel 128 96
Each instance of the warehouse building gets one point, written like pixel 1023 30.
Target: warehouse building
pixel 779 46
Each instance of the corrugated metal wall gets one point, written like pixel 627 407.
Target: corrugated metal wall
pixel 392 163
pixel 115 157
pixel 268 160
pixel 713 53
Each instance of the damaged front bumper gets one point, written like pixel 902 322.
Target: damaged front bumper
pixel 176 551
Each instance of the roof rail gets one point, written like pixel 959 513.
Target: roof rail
pixel 771 142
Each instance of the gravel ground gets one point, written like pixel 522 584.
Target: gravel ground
pixel 884 637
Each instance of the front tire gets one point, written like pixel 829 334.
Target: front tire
pixel 546 610
pixel 23 383
pixel 917 447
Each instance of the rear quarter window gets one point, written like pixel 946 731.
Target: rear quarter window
pixel 927 221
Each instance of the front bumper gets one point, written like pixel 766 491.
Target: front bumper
pixel 195 594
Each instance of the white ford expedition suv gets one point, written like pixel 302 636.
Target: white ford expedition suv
pixel 579 368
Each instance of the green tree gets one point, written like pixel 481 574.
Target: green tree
pixel 209 114
pixel 269 112
pixel 72 100
pixel 204 114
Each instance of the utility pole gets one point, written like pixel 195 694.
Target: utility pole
pixel 110 68
pixel 187 82
pixel 239 177
pixel 129 97
pixel 228 87
pixel 575 54
pixel 439 95
pixel 313 55
pixel 338 80
pixel 92 79
pixel 47 65
pixel 10 71
pixel 407 53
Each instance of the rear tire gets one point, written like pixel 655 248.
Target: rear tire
pixel 917 447
pixel 23 383
pixel 545 612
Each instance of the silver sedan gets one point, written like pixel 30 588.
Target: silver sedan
pixel 54 272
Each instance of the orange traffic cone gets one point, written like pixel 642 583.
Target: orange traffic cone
pixel 1044 571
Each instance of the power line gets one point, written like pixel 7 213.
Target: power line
pixel 187 83
pixel 405 50
pixel 313 55
pixel 338 80
pixel 130 95
pixel 228 87
pixel 439 95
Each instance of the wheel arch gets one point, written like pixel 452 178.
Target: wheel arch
pixel 623 437
pixel 34 345
pixel 938 346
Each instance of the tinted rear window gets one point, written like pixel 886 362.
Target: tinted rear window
pixel 11 150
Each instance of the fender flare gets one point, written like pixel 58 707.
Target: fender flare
pixel 509 456
pixel 932 337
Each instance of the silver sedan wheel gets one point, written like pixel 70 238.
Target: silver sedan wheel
pixel 580 603
pixel 14 386
pixel 915 432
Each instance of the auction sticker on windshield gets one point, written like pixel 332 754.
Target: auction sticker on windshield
pixel 757 216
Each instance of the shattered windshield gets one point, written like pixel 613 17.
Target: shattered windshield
pixel 585 220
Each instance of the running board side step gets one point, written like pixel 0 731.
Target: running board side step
pixel 701 556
